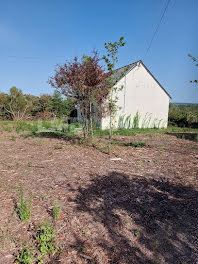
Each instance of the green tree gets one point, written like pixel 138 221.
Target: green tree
pixel 195 60
pixel 67 105
pixel 46 106
pixel 57 103
pixel 18 104
pixel 61 106
pixel 4 101
pixel 176 115
pixel 35 107
pixel 183 114
pixel 111 59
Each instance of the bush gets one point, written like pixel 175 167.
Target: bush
pixel 183 115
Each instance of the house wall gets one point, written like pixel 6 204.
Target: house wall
pixel 141 93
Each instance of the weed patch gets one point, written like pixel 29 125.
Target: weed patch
pixel 12 138
pixel 139 144
pixel 25 256
pixel 56 211
pixel 55 134
pixel 135 144
pixel 24 207
pixel 46 240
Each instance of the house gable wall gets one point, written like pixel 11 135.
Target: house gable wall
pixel 141 93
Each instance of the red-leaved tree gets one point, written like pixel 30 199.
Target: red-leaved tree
pixel 86 82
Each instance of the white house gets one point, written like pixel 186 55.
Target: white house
pixel 141 99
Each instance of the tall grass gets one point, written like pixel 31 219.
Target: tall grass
pixel 136 120
pixel 58 127
pixel 128 123
pixel 146 120
pixel 124 122
pixel 35 127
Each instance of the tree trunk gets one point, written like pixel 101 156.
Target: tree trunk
pixel 91 120
pixel 110 124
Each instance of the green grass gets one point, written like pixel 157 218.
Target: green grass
pixel 134 131
pixel 24 207
pixel 138 144
pixel 57 128
pixel 55 134
pixel 34 128
pixel 180 129
pixel 19 126
pixel 56 211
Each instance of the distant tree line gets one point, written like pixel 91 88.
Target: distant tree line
pixel 18 106
pixel 183 115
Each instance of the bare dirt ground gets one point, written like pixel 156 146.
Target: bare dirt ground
pixel 142 208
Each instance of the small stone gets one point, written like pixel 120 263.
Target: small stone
pixel 115 159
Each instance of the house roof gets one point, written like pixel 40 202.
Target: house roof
pixel 121 72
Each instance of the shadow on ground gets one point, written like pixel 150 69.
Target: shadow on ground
pixel 59 135
pixel 184 135
pixel 162 218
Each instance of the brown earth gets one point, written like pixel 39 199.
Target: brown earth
pixel 141 208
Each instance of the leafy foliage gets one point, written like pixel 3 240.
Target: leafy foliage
pixel 111 59
pixel 112 50
pixel 25 256
pixel 183 115
pixel 45 243
pixel 85 81
pixel 46 239
pixel 18 106
pixel 195 60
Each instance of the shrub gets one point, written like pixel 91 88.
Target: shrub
pixel 46 239
pixel 183 115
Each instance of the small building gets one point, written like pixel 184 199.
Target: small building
pixel 141 100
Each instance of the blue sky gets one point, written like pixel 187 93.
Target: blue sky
pixel 35 35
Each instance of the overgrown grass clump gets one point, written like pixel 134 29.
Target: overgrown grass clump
pixel 24 207
pixel 56 211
